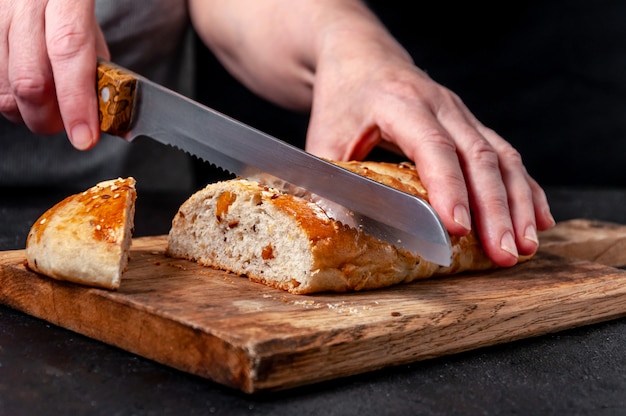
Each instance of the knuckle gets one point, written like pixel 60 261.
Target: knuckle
pixel 66 42
pixel 437 138
pixel 511 156
pixel 497 204
pixel 481 152
pixel 32 87
pixel 500 204
pixel 454 182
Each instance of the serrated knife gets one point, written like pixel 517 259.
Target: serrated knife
pixel 131 106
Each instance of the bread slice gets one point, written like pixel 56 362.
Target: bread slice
pixel 289 243
pixel 86 238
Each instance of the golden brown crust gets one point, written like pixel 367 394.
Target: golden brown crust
pixel 85 238
pixel 402 176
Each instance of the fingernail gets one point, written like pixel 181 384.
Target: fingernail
pixel 507 243
pixel 81 136
pixel 549 215
pixel 462 217
pixel 530 234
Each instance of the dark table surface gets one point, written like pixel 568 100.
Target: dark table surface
pixel 45 369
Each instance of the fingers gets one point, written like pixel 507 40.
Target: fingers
pixel 8 104
pixel 71 44
pixel 29 74
pixel 494 204
pixel 507 204
pixel 47 67
pixel 522 196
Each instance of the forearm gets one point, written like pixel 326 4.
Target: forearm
pixel 275 46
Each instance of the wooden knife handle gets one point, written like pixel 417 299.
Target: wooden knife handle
pixel 116 96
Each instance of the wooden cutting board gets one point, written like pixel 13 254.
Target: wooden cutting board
pixel 255 338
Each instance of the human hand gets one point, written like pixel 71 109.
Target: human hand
pixel 366 94
pixel 48 54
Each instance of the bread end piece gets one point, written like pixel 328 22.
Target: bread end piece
pixel 86 238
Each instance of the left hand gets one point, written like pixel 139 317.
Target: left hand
pixel 379 96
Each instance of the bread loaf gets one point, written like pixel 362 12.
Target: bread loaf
pixel 86 238
pixel 291 244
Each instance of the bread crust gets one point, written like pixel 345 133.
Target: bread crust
pixel 86 237
pixel 332 257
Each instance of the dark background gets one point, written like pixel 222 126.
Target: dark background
pixel 548 76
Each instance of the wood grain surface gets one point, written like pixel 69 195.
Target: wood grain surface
pixel 596 241
pixel 255 338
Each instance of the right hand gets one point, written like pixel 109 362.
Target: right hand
pixel 48 55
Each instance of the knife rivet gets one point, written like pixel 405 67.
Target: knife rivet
pixel 105 94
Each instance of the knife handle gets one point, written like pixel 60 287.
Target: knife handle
pixel 116 97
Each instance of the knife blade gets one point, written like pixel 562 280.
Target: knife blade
pixel 131 106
